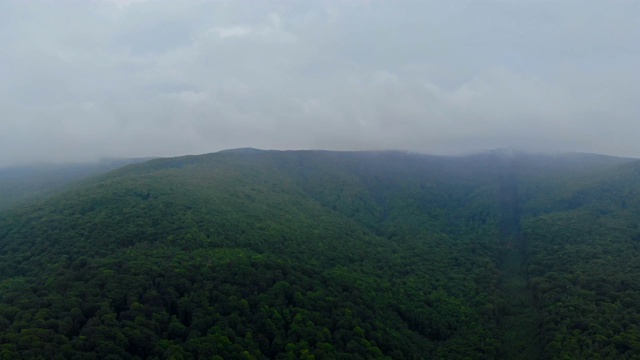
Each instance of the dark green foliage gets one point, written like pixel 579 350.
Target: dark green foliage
pixel 584 268
pixel 321 255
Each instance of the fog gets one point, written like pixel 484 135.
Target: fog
pixel 83 80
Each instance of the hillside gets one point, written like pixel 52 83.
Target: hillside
pixel 312 254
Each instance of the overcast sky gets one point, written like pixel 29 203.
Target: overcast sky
pixel 86 79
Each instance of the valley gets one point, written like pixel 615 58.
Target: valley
pixel 519 323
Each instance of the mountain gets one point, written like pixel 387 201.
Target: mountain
pixel 249 254
pixel 20 183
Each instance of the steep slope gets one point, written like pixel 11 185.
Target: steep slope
pixel 584 266
pixel 257 254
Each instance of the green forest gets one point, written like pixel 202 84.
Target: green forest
pixel 249 254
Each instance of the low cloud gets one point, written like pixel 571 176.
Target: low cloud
pixel 146 78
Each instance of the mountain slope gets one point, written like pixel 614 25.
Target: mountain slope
pixel 584 268
pixel 256 254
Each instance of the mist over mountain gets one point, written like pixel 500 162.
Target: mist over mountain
pixel 251 254
pixel 20 183
pixel 326 245
pixel 137 78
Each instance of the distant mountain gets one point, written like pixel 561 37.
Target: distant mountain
pixel 251 254
pixel 20 183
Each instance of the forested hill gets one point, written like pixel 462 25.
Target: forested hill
pixel 251 254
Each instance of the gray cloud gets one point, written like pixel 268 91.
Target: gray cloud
pixel 156 78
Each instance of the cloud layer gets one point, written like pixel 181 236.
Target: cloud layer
pixel 91 79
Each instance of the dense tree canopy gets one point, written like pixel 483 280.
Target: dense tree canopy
pixel 322 255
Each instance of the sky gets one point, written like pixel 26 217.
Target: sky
pixel 82 80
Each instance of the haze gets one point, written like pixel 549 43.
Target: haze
pixel 84 80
